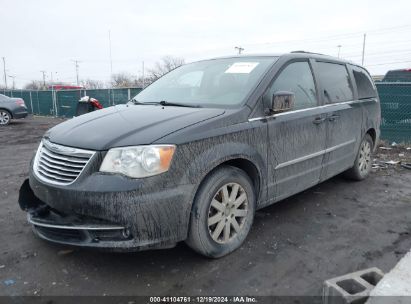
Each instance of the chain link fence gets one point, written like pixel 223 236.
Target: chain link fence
pixel 395 104
pixel 395 111
pixel 63 103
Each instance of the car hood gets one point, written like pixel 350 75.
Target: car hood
pixel 126 125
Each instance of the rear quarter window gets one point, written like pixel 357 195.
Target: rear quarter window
pixel 335 82
pixel 365 85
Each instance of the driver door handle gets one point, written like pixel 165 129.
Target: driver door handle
pixel 319 120
pixel 333 117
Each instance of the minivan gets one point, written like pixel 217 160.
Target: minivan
pixel 196 153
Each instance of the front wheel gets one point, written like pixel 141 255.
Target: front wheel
pixel 362 164
pixel 222 213
pixel 5 117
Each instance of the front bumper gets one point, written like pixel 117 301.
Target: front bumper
pixel 53 227
pixel 113 213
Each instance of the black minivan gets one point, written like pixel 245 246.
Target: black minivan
pixel 192 156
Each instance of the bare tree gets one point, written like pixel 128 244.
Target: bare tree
pixel 92 84
pixel 138 82
pixel 167 64
pixel 122 80
pixel 34 85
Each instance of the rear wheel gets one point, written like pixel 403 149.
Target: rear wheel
pixel 362 164
pixel 5 117
pixel 223 212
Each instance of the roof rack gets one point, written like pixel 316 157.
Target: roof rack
pixel 305 52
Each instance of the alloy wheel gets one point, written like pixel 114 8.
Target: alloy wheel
pixel 364 161
pixel 4 118
pixel 227 213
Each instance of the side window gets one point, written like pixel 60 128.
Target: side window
pixel 298 79
pixel 335 82
pixel 365 85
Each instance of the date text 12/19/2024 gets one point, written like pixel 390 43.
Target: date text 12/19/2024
pixel 204 299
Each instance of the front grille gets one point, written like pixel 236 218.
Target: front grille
pixel 59 164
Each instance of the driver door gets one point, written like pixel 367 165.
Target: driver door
pixel 297 138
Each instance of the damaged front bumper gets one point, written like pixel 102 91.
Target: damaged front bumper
pixel 124 220
pixel 54 227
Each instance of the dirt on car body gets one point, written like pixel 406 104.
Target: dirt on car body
pixel 331 229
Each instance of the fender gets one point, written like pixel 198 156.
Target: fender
pixel 212 154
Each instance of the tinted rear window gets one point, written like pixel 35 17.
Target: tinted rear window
pixel 364 83
pixel 335 82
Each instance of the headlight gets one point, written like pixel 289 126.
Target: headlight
pixel 138 161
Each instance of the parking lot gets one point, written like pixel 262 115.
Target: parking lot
pixel 334 228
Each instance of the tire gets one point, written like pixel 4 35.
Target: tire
pixel 362 164
pixel 219 225
pixel 5 117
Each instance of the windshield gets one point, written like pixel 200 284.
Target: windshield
pixel 219 83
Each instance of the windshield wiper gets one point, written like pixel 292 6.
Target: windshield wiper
pixel 135 101
pixel 176 104
pixel 164 103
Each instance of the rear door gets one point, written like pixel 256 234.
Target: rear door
pixel 343 117
pixel 296 138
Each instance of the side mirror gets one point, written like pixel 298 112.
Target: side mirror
pixel 282 101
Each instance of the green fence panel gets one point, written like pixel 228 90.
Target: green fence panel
pixel 26 97
pixel 16 93
pixel 135 91
pixel 7 93
pixel 35 102
pixel 45 102
pixel 395 111
pixel 42 102
pixel 102 95
pixel 120 96
pixel 67 102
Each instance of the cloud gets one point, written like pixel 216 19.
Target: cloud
pixel 46 35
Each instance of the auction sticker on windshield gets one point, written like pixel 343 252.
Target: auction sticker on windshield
pixel 241 67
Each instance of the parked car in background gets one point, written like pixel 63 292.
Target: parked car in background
pixel 11 108
pixel 196 153
pixel 402 75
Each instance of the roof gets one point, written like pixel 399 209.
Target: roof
pixel 296 54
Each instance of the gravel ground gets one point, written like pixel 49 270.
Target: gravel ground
pixel 331 229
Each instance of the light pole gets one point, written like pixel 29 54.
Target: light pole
pixel 363 50
pixel 339 50
pixel 76 62
pixel 13 77
pixel 44 79
pixel 111 59
pixel 143 76
pixel 5 75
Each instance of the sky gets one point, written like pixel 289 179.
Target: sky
pixel 45 35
